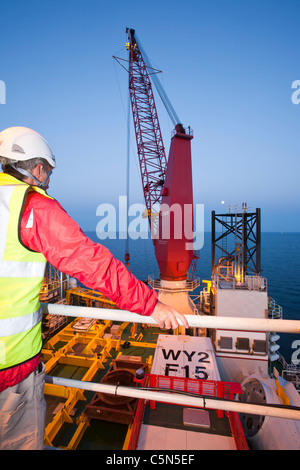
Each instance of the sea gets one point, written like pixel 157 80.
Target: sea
pixel 280 263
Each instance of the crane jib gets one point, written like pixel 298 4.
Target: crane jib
pixel 165 182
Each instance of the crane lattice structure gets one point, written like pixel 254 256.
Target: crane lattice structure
pixel 150 146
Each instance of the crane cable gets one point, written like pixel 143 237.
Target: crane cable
pixel 127 115
pixel 165 100
pixel 127 255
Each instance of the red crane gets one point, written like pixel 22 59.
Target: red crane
pixel 165 182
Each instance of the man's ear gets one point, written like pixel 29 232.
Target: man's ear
pixel 38 171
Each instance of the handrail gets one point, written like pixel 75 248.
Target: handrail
pixel 257 283
pixel 279 411
pixel 194 321
pixel 275 310
pixel 189 284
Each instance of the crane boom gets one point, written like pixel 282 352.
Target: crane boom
pixel 168 183
pixel 150 147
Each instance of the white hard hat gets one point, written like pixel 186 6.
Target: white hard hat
pixel 21 143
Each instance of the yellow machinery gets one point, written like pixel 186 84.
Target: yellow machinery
pixel 90 298
pixel 89 352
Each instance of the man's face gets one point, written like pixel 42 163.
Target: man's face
pixel 45 174
pixel 42 174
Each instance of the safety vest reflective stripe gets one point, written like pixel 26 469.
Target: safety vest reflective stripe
pixel 21 269
pixel 14 268
pixel 13 326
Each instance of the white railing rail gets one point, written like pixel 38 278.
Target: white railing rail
pixel 194 321
pixel 205 321
pixel 278 411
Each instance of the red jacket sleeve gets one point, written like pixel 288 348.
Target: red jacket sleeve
pixel 48 229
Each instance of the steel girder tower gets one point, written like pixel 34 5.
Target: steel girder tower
pixel 237 236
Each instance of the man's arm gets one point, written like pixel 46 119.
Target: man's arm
pixel 48 229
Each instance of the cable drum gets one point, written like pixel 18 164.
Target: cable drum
pixel 118 377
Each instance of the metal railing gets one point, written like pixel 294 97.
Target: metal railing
pixel 275 310
pixel 256 283
pixel 204 321
pixel 210 402
pixel 290 372
pixel 190 284
pixel 188 131
pixel 197 321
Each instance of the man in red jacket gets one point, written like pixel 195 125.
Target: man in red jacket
pixel 45 228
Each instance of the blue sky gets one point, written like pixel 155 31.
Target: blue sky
pixel 228 68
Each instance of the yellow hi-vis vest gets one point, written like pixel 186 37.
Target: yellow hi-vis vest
pixel 21 275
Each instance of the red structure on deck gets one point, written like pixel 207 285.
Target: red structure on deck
pixel 209 388
pixel 174 246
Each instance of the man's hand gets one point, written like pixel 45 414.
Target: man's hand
pixel 166 316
